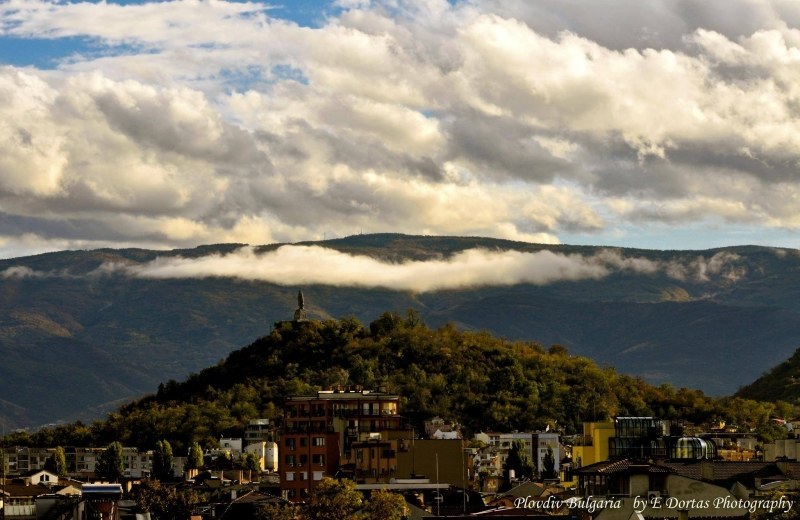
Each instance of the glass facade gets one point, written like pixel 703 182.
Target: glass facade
pixel 693 448
pixel 644 438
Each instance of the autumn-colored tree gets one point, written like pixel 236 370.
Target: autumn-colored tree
pixel 164 502
pixel 278 512
pixel 57 462
pixel 195 457
pixel 251 461
pixel 385 505
pixel 334 500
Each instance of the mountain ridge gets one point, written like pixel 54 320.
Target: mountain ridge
pixel 60 323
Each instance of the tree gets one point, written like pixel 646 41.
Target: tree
pixel 110 465
pixel 334 500
pixel 251 461
pixel 276 512
pixel 549 464
pixel 57 462
pixel 770 432
pixel 517 461
pixel 164 502
pixel 385 505
pixel 195 456
pixel 162 461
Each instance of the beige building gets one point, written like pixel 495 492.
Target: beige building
pixel 782 449
pixel 440 461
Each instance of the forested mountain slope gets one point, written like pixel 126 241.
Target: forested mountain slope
pixel 479 380
pixel 82 331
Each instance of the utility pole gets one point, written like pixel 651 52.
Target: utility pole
pixel 464 476
pixel 438 492
pixel 3 464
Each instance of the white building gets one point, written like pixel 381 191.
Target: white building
pixel 231 445
pixel 267 453
pixel 541 443
pixel 536 445
pixel 259 430
pixel 271 459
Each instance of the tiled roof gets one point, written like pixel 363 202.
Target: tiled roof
pixel 33 472
pixel 22 491
pixel 526 489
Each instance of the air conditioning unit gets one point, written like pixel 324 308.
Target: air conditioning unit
pixel 651 494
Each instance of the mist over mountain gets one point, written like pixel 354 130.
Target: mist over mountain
pixel 83 331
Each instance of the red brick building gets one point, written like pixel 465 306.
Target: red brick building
pixel 319 433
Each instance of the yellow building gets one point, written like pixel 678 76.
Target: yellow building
pixel 592 446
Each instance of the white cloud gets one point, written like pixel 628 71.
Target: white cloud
pixel 212 120
pixel 19 272
pixel 290 265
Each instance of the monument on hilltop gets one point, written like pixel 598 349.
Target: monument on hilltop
pixel 300 318
pixel 300 314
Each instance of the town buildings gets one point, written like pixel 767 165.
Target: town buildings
pixel 346 427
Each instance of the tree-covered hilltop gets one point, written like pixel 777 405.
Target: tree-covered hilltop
pixel 101 332
pixel 479 380
pixel 780 383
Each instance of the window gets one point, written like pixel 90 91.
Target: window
pixel 303 460
pixel 319 441
pixel 303 475
pixel 289 476
pixel 318 475
pixel 289 444
pixel 303 442
pixel 289 459
pixel 318 460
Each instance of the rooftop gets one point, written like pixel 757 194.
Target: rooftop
pixel 624 466
pixel 344 394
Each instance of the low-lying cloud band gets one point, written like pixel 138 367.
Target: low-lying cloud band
pixel 305 265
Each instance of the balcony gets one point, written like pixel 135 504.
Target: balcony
pixel 308 429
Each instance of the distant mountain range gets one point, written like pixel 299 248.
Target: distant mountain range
pixel 83 331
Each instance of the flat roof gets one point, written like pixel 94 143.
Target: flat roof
pixel 90 489
pixel 400 485
pixel 332 394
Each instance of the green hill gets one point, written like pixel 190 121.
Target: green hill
pixel 479 380
pixel 75 340
pixel 780 383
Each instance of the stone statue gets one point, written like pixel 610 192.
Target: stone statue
pixel 300 313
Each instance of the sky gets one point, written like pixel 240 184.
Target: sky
pixel 663 124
